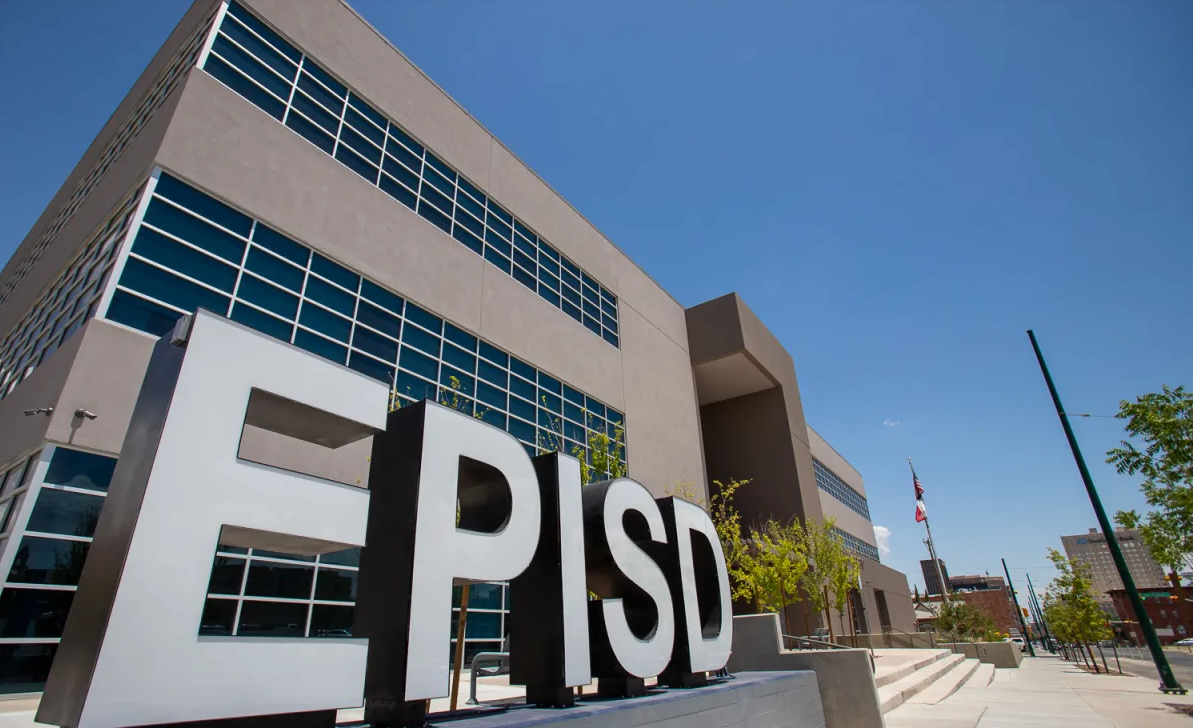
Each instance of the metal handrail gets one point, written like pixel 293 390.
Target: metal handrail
pixel 829 645
pixel 887 629
pixel 496 657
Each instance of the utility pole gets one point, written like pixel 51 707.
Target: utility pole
pixel 1018 611
pixel 1168 681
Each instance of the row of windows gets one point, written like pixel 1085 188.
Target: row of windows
pixel 66 304
pixel 162 88
pixel 831 483
pixel 856 545
pixel 261 66
pixel 193 251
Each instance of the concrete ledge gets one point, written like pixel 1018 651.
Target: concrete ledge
pixel 890 640
pixel 758 699
pixel 845 679
pixel 999 654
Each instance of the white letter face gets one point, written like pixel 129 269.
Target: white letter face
pixel 150 665
pixel 648 656
pixel 705 654
pixel 443 551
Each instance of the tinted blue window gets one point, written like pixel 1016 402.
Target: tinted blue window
pixel 476 208
pixel 549 383
pixel 444 185
pixel 470 222
pixel 500 227
pixel 440 165
pixel 335 272
pixel 407 158
pixel 523 409
pixel 468 239
pixel 492 374
pixel 494 354
pixel 208 207
pixel 527 247
pixel 347 557
pixel 80 469
pixel 572 297
pixel 371 368
pixel 433 216
pixel 141 314
pixel 592 325
pixel 325 78
pixel 491 395
pixel 270 298
pixel 251 67
pixel 311 132
pixel 608 308
pixel 411 386
pixel 591 309
pixel 436 198
pixel 615 417
pixel 610 337
pixel 398 192
pixel 456 357
pixel 470 189
pixel 319 345
pixel 459 336
pixel 525 278
pixel 360 144
pixel 315 113
pixel 260 49
pixel 400 173
pixel 497 242
pixel 159 248
pixel 379 319
pixel 522 431
pixel 48 561
pixel 264 31
pixel 419 363
pixel 330 296
pixel 492 416
pixel 497 259
pixel 381 297
pixel 550 296
pixel 550 401
pixel 325 322
pixel 574 432
pixel 609 322
pixel 522 369
pixel 353 161
pixel 329 101
pixel 463 384
pixel 266 237
pixel 262 322
pixel 195 231
pixel 368 111
pixel 573 412
pixel 523 230
pixel 282 273
pixel 69 514
pixel 34 612
pixel 424 318
pixel 497 210
pixel 402 137
pixel 596 408
pixel 362 125
pixel 421 340
pixel 573 395
pixel 171 289
pixel 375 344
pixel 551 267
pixel 526 262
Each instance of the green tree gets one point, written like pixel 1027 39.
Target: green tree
pixel 842 579
pixel 1070 604
pixel 824 548
pixel 960 621
pixel 1163 421
pixel 780 565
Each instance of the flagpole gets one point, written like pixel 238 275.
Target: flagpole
pixel 944 586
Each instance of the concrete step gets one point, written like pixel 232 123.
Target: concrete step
pixel 895 694
pixel 913 660
pixel 982 677
pixel 947 684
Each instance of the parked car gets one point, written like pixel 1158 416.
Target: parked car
pixel 1019 641
pixel 1186 642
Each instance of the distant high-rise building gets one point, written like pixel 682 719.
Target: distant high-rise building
pixel 1091 550
pixel 932 585
pixel 975 582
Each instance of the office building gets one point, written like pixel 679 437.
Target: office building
pixel 1091 549
pixel 281 164
pixel 932 585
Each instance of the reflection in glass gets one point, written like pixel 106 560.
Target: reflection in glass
pixel 218 617
pixel 288 581
pixel 48 561
pixel 347 557
pixel 336 585
pixel 80 469
pixel 272 619
pixel 33 612
pixel 72 514
pixel 226 576
pixel 329 620
pixel 480 596
pixel 23 668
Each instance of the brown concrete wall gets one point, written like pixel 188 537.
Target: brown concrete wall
pixel 130 169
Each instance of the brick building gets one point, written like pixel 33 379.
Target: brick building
pixel 1172 619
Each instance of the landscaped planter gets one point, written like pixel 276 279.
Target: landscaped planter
pixel 999 654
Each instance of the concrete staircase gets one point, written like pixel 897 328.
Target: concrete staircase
pixel 925 676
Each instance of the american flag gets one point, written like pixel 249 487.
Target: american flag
pixel 921 510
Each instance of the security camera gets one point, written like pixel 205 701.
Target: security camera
pixel 47 411
pixel 86 414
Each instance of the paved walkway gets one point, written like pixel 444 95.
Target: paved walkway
pixel 1046 691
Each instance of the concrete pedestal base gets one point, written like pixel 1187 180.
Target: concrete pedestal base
pixel 758 699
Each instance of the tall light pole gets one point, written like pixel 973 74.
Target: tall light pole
pixel 1168 682
pixel 1018 611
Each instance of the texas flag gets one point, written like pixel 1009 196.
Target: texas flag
pixel 921 510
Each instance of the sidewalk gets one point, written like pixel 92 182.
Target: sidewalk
pixel 1046 691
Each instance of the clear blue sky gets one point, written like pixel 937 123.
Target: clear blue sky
pixel 898 190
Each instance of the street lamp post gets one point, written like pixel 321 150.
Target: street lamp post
pixel 1168 681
